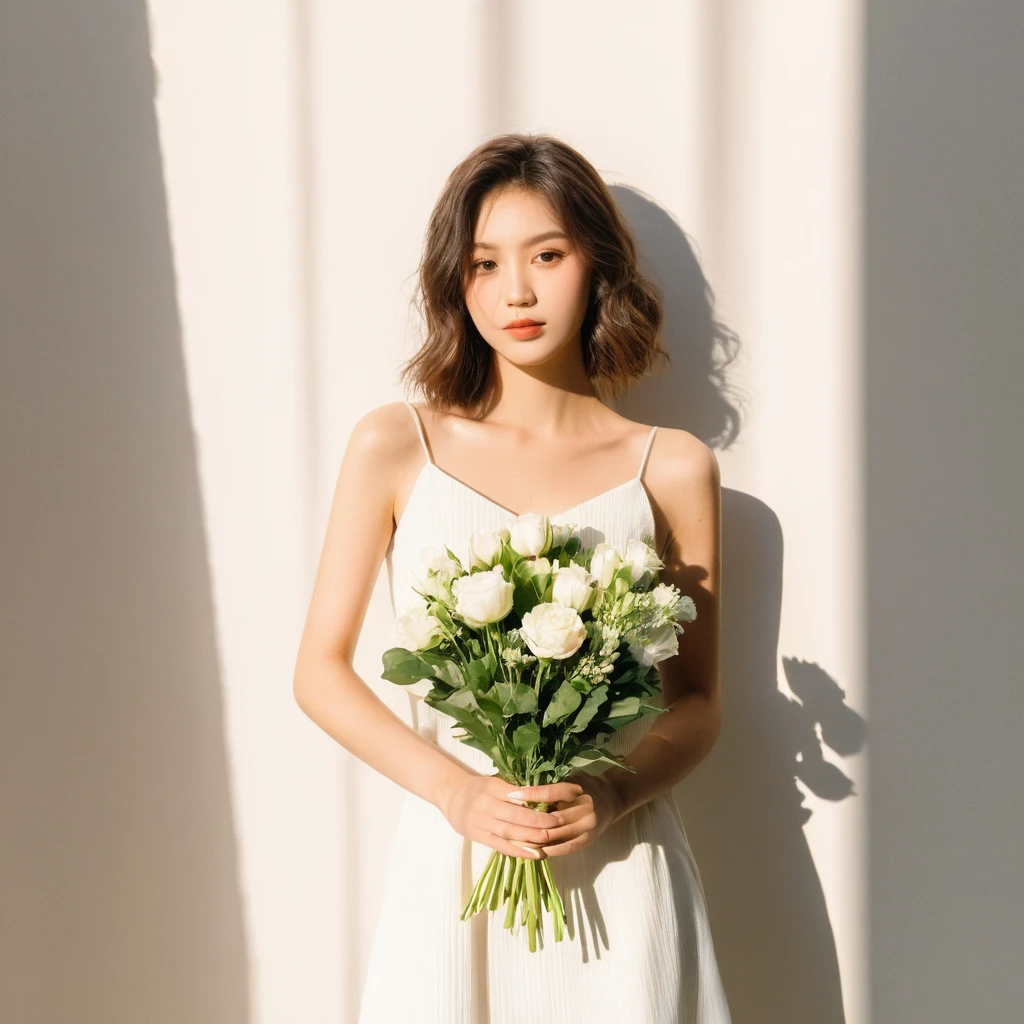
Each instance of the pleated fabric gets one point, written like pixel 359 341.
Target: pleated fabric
pixel 638 943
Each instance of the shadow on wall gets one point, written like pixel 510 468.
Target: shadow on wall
pixel 744 812
pixel 121 899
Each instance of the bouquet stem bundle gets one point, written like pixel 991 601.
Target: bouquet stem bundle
pixel 526 886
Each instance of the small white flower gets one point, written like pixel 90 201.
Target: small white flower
pixel 573 587
pixel 416 629
pixel 553 631
pixel 662 643
pixel 666 596
pixel 483 597
pixel 531 534
pixel 485 547
pixel 676 606
pixel 604 563
pixel 687 611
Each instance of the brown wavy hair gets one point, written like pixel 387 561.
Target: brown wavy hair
pixel 453 367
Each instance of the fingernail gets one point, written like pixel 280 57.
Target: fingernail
pixel 516 795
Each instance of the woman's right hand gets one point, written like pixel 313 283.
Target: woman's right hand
pixel 477 809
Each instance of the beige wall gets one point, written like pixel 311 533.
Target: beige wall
pixel 219 210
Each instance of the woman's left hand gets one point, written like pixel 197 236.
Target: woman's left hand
pixel 594 811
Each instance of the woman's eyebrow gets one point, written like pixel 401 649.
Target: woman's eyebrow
pixel 530 241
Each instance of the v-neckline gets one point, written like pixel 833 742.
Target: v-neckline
pixel 427 466
pixel 551 515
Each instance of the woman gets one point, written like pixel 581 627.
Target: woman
pixel 534 309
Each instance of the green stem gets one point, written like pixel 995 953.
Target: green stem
pixel 513 899
pixel 557 910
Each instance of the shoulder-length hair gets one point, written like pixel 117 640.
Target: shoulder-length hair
pixel 620 333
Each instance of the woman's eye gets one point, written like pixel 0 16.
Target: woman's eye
pixel 547 252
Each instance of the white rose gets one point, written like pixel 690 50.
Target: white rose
pixel 560 533
pixel 483 597
pixel 531 534
pixel 553 631
pixel 604 563
pixel 662 643
pixel 485 547
pixel 447 570
pixel 536 566
pixel 574 587
pixel 416 629
pixel 641 558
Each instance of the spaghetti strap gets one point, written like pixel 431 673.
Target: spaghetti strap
pixel 419 430
pixel 647 451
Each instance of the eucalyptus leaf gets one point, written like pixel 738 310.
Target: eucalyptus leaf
pixel 493 710
pixel 526 737
pixel 451 673
pixel 465 699
pixel 593 762
pixel 480 673
pixel 626 706
pixel 404 667
pixel 564 702
pixel 524 698
pixel 590 708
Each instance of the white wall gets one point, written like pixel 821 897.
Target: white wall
pixel 220 211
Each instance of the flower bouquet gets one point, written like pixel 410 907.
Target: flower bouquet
pixel 539 650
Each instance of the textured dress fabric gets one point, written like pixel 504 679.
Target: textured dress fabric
pixel 637 945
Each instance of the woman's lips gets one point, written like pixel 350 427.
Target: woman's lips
pixel 525 333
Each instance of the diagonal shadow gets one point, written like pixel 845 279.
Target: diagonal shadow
pixel 121 895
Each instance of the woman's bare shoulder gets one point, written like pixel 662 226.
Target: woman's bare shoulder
pixel 681 457
pixel 386 432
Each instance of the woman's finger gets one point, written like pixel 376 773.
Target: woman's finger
pixel 519 833
pixel 512 811
pixel 551 793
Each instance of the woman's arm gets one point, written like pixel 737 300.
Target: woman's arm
pixel 326 686
pixel 683 736
pixel 330 692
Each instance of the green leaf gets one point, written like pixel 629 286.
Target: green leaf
pixel 451 673
pixel 621 721
pixel 593 762
pixel 526 737
pixel 524 698
pixel 404 667
pixel 480 674
pixel 490 748
pixel 565 701
pixel 626 706
pixel 492 709
pixel 465 700
pixel 590 708
pixel 469 720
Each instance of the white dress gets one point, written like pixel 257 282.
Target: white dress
pixel 637 946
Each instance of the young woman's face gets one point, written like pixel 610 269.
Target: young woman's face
pixel 524 268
